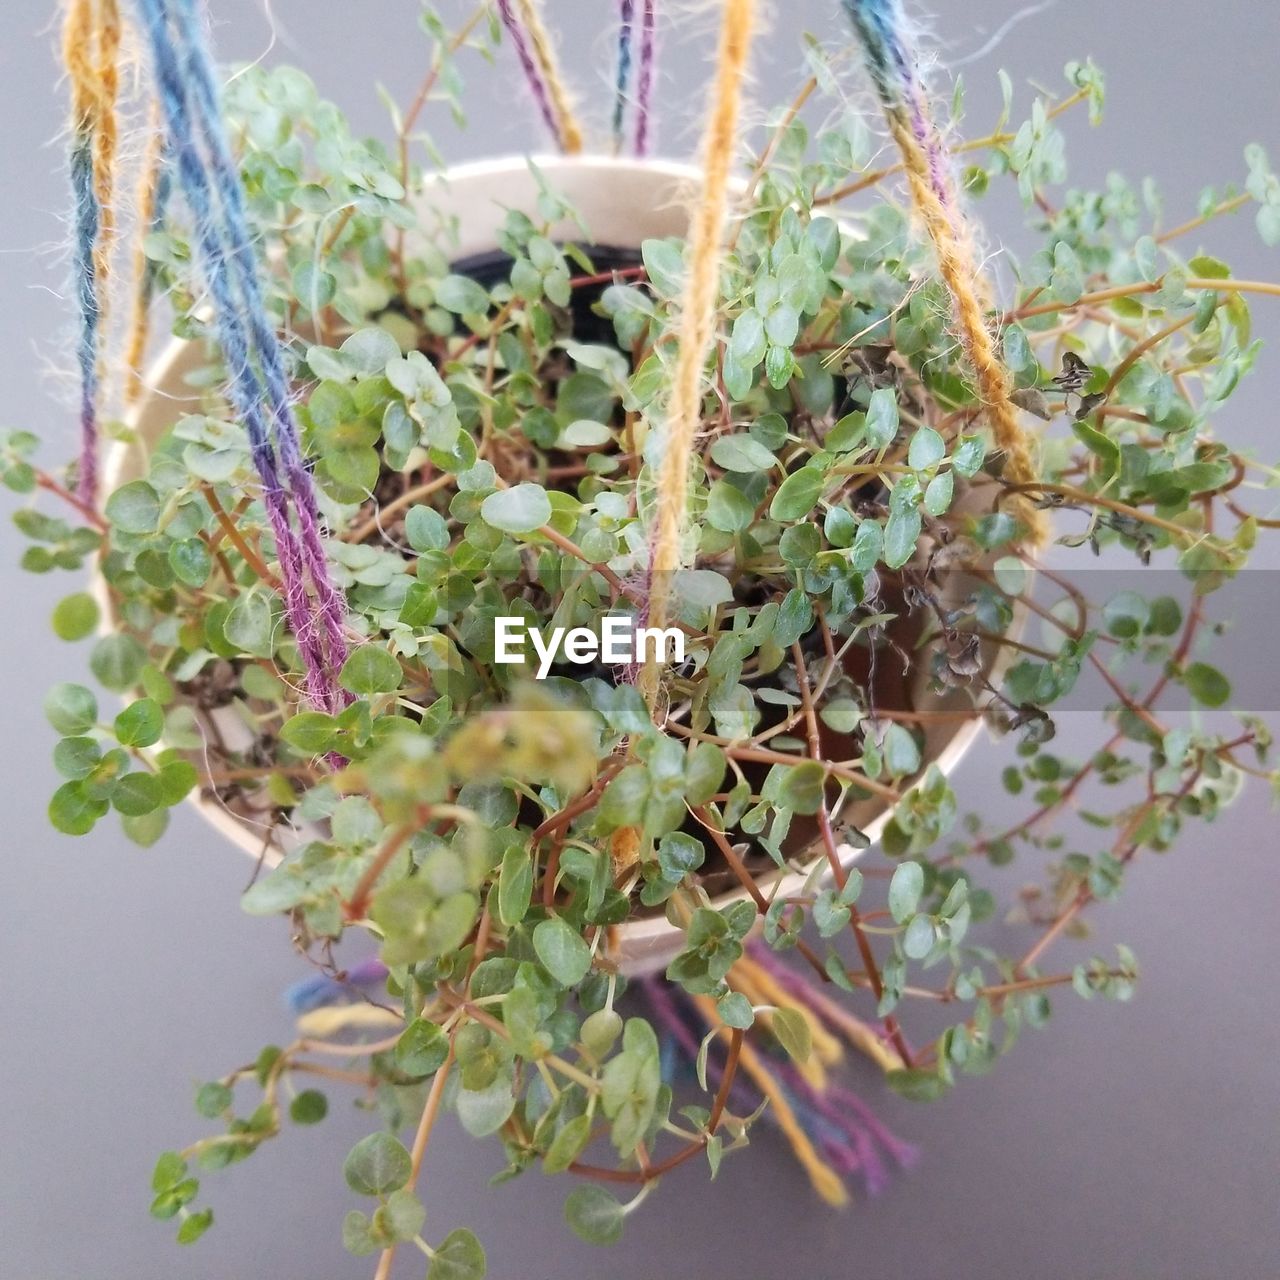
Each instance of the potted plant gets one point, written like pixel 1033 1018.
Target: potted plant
pixel 784 441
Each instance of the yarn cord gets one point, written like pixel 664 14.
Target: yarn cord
pixel 645 76
pixel 202 79
pixel 153 198
pixel 881 27
pixel 247 391
pixel 622 72
pixel 533 48
pixel 697 318
pixel 91 52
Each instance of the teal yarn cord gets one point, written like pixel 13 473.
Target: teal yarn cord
pixel 87 221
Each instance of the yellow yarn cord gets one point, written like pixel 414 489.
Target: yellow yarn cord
pixel 139 320
pixel 959 272
pixel 826 1182
pixel 544 53
pixel 697 317
pixel 761 988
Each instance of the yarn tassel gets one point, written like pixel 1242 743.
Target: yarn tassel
pixel 91 52
pixel 532 43
pixel 891 60
pixel 226 259
pixel 321 989
pixel 697 318
pixel 645 76
pixel 832 1132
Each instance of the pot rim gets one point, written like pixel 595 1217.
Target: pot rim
pixel 639 946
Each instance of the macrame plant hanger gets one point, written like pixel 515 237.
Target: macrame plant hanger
pixel 830 1130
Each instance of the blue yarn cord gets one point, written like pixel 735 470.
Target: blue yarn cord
pixel 88 222
pixel 622 75
pixel 214 235
pixel 202 79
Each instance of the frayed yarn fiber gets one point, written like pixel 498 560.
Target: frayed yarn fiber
pixel 882 30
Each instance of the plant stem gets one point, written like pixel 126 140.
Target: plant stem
pixel 420 1140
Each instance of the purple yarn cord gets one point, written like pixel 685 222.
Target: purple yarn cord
pixel 644 81
pixel 533 77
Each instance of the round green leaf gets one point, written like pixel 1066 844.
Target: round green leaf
pixel 134 508
pixel 140 724
pixel 370 669
pixel 422 1048
pixel 73 811
pixel 520 509
pixel 594 1214
pixel 309 1107
pixel 458 1256
pixel 117 661
pixel 563 952
pixel 75 616
pixel 71 709
pixel 797 495
pixel 377 1165
pixel 1206 684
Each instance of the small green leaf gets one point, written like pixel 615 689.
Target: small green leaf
pixel 462 296
pixel 900 536
pixel 459 1256
pixel 422 1049
pixel 916 1085
pixel 370 669
pixel 905 889
pixel 73 810
pixel 117 662
pixel 309 1107
pixel 797 495
pixel 791 1030
pixel 76 616
pixel 520 509
pixel 140 724
pixel 377 1165
pixel 926 450
pixel 194 1225
pixel 802 787
pixel 882 418
pixel 213 1099
pixel 134 508
pixel 1206 684
pixel 734 1010
pixel 567 1145
pixel 594 1214
pixel 71 709
pixel 515 885
pixel 563 952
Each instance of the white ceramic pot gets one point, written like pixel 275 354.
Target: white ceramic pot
pixel 622 203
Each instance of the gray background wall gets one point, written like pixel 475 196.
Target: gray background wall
pixel 1136 1141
